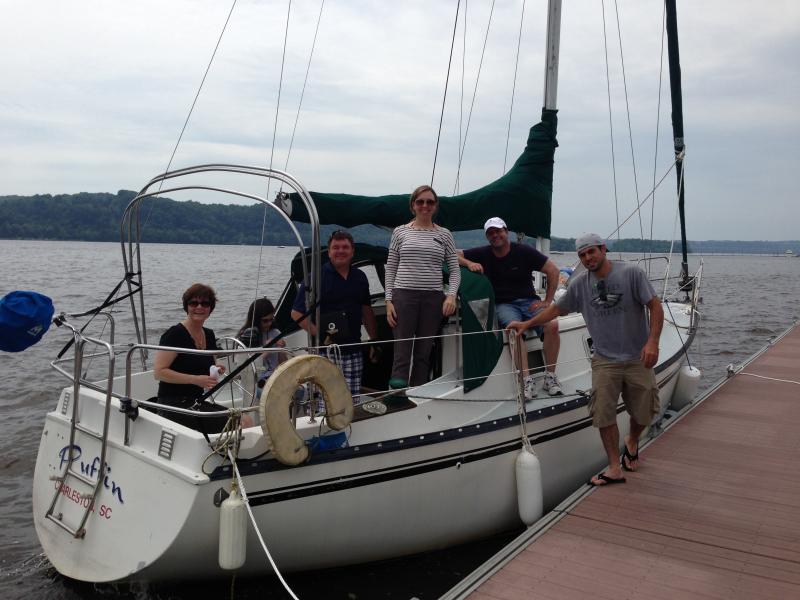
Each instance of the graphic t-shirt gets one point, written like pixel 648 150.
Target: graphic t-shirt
pixel 613 308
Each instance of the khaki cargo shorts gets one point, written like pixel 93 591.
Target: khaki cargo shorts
pixel 636 384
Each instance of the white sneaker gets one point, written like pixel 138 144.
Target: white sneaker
pixel 530 387
pixel 552 385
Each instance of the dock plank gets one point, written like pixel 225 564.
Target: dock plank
pixel 713 512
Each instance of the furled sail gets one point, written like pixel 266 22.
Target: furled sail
pixel 522 197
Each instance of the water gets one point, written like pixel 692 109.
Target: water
pixel 746 300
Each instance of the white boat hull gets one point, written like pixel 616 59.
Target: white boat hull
pixel 436 475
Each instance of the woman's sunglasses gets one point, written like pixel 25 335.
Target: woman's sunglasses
pixel 203 303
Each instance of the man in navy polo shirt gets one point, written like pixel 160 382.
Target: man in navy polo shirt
pixel 509 267
pixel 344 306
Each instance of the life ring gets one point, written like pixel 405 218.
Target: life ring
pixel 276 398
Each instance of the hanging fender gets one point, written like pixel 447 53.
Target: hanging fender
pixel 276 398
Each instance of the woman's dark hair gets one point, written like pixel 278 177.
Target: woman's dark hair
pixel 201 291
pixel 258 309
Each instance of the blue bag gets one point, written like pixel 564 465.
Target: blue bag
pixel 332 441
pixel 24 319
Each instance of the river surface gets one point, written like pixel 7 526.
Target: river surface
pixel 746 301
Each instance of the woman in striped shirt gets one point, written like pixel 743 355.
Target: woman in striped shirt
pixel 415 300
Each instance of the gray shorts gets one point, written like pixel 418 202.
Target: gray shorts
pixel 636 384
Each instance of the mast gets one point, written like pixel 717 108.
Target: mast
pixel 550 81
pixel 551 54
pixel 677 125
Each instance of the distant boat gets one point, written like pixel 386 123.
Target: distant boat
pixel 788 253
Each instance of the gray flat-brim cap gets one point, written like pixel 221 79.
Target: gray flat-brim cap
pixel 588 239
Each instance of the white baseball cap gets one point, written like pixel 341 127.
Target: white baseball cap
pixel 494 222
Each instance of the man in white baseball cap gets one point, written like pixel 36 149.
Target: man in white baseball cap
pixel 509 267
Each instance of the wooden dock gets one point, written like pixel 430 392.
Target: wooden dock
pixel 712 512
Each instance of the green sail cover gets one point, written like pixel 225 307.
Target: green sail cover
pixel 480 350
pixel 522 197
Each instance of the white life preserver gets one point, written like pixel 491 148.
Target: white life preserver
pixel 276 399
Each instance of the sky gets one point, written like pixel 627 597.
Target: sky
pixel 94 94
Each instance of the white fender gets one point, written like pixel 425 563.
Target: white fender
pixel 232 531
pixel 686 388
pixel 276 398
pixel 530 498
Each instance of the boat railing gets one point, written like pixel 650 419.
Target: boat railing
pixel 225 354
pixel 180 180
pixel 80 341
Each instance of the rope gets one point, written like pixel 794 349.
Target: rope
pixel 769 378
pixel 243 491
pixel 516 349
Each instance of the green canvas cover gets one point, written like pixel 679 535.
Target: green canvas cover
pixel 522 197
pixel 480 350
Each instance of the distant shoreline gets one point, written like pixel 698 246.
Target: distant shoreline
pixel 290 245
pixel 95 217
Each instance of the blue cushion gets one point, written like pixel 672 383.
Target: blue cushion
pixel 24 319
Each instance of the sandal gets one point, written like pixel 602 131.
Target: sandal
pixel 630 457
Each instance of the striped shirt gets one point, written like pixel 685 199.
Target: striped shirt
pixel 416 257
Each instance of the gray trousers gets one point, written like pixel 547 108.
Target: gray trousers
pixel 419 313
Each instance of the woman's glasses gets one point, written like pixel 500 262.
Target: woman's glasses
pixel 267 319
pixel 424 202
pixel 196 303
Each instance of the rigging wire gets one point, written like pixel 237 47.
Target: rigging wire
pixel 628 115
pixel 191 108
pixel 645 199
pixel 514 85
pixel 610 120
pixel 658 125
pixel 178 141
pixel 444 96
pixel 305 82
pixel 272 149
pixel 463 77
pixel 474 95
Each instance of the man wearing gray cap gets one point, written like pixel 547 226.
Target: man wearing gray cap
pixel 509 266
pixel 612 298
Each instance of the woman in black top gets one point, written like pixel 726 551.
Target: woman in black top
pixel 184 377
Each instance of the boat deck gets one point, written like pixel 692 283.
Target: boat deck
pixel 712 512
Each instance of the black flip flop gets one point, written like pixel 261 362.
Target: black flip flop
pixel 629 456
pixel 608 480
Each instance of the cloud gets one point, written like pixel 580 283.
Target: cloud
pixel 97 92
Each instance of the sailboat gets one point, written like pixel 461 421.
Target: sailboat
pixel 124 493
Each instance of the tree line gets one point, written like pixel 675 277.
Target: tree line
pixel 96 217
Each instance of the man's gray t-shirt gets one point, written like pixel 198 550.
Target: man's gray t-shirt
pixel 613 308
